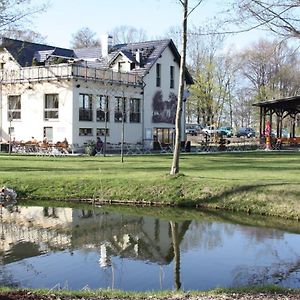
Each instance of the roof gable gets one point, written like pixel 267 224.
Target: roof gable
pixel 25 52
pixel 143 54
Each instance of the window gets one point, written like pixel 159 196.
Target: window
pixel 51 106
pixel 101 132
pixel 14 108
pixel 132 66
pixel 164 135
pixel 102 108
pixel 85 107
pixel 85 131
pixel 120 109
pixel 48 134
pixel 135 111
pixel 172 77
pixel 158 75
pixel 11 131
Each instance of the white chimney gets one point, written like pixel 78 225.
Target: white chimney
pixel 106 44
pixel 138 56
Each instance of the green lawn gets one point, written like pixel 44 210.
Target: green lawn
pixel 256 182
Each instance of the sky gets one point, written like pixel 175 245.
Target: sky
pixel 65 17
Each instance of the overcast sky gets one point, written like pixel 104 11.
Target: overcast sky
pixel 64 17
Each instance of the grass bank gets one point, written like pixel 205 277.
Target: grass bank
pixel 264 292
pixel 266 183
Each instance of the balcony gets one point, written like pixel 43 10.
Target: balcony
pixel 68 71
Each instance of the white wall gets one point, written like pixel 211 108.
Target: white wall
pixel 32 120
pixel 132 131
pixel 166 60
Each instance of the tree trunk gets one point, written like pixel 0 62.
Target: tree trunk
pixel 176 153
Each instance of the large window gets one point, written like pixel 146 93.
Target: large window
pixel 120 109
pixel 172 77
pixel 158 75
pixel 102 108
pixel 85 107
pixel 14 108
pixel 164 135
pixel 135 110
pixel 51 106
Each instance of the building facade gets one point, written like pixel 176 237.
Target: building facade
pixel 53 93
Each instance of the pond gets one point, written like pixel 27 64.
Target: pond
pixel 142 249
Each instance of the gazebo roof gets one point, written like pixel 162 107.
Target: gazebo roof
pixel 287 104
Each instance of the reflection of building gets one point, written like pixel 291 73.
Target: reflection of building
pixel 31 231
pixel 42 229
pixel 141 238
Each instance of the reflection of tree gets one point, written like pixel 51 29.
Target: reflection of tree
pixel 277 273
pixel 174 229
pixel 7 278
pixel 86 213
pixel 50 212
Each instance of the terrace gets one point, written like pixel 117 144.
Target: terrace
pixel 68 71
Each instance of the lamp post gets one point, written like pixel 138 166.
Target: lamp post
pixel 9 129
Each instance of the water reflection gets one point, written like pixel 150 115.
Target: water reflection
pixel 136 250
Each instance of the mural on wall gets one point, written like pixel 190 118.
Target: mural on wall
pixel 164 111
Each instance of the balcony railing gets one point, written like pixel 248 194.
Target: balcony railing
pixel 67 71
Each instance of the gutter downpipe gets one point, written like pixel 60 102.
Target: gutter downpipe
pixel 143 115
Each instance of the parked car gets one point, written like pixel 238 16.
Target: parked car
pixel 210 130
pixel 197 127
pixel 284 133
pixel 225 131
pixel 191 130
pixel 245 131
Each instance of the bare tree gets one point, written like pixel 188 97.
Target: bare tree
pixel 16 13
pixel 280 17
pixel 270 69
pixel 24 35
pixel 177 146
pixel 84 38
pixel 127 34
pixel 176 153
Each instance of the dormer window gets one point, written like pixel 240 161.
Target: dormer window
pixel 2 65
pixel 121 66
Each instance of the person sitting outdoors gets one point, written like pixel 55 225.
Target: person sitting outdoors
pixel 99 145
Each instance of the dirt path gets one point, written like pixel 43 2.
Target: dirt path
pixel 24 295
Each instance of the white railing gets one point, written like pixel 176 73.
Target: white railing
pixel 62 71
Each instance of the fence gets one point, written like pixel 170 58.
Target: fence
pixel 65 71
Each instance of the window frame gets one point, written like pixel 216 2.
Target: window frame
pixel 101 132
pixel 85 111
pixel 134 110
pixel 50 110
pixel 164 135
pixel 86 131
pixel 48 133
pixel 172 77
pixel 14 111
pixel 120 108
pixel 158 75
pixel 102 114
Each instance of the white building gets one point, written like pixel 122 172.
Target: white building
pixel 55 93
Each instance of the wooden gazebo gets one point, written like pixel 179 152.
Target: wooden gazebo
pixel 279 109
